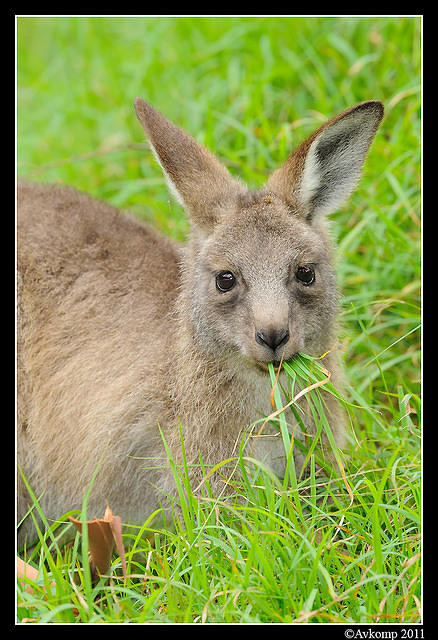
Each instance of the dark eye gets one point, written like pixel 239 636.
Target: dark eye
pixel 225 281
pixel 306 275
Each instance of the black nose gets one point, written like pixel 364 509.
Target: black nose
pixel 272 338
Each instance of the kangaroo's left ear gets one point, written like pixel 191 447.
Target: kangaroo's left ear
pixel 322 172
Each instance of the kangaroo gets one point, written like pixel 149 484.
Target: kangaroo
pixel 123 331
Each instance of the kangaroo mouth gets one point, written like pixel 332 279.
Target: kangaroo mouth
pixel 263 366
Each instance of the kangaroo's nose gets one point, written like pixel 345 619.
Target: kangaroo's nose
pixel 272 338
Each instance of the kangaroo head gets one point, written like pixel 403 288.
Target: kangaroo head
pixel 258 278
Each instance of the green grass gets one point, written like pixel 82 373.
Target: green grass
pixel 338 546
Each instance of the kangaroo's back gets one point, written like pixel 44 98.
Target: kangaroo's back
pixel 81 254
pixel 64 234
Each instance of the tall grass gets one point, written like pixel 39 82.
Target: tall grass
pixel 340 542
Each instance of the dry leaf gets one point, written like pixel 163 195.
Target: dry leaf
pixel 103 534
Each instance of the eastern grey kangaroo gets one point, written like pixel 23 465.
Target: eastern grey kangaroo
pixel 122 330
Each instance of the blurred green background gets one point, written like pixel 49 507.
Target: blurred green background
pixel 250 89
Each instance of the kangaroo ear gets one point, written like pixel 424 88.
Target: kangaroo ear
pixel 322 172
pixel 194 175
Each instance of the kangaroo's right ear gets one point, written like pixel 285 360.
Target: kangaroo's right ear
pixel 322 172
pixel 194 175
